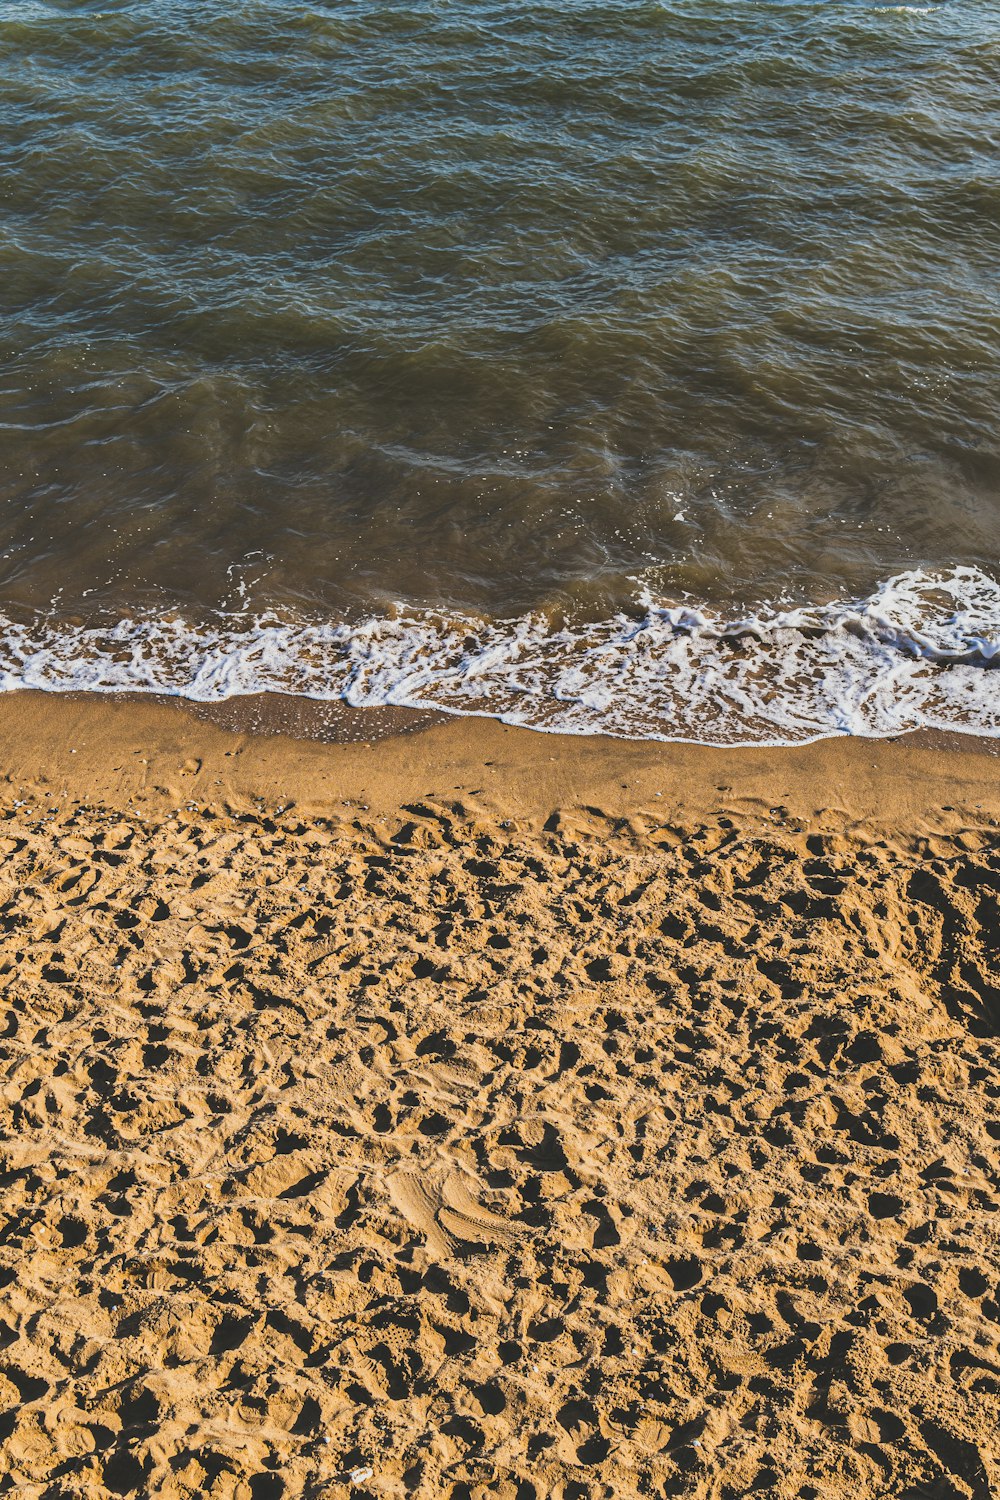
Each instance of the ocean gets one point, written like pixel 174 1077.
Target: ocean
pixel 606 366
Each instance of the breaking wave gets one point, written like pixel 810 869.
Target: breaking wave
pixel 919 652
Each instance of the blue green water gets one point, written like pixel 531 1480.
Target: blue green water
pixel 610 366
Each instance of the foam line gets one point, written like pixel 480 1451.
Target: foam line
pixel 920 651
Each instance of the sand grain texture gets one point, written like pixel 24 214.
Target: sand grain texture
pixel 439 1153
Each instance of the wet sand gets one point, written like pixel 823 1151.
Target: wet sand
pixel 474 1112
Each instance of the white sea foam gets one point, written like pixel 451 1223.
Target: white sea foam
pixel 921 651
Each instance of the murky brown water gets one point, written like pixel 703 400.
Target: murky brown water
pixel 505 357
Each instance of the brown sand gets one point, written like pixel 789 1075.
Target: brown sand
pixel 482 1113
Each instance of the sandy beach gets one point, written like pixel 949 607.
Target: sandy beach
pixel 473 1112
pixel 428 1067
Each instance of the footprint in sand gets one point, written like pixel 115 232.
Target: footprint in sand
pixel 443 1209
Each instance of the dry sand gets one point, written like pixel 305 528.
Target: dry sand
pixel 484 1113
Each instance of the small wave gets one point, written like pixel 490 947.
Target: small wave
pixel 918 652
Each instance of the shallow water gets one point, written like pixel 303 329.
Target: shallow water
pixel 607 365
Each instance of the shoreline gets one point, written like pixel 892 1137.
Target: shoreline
pixel 916 651
pixel 265 752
